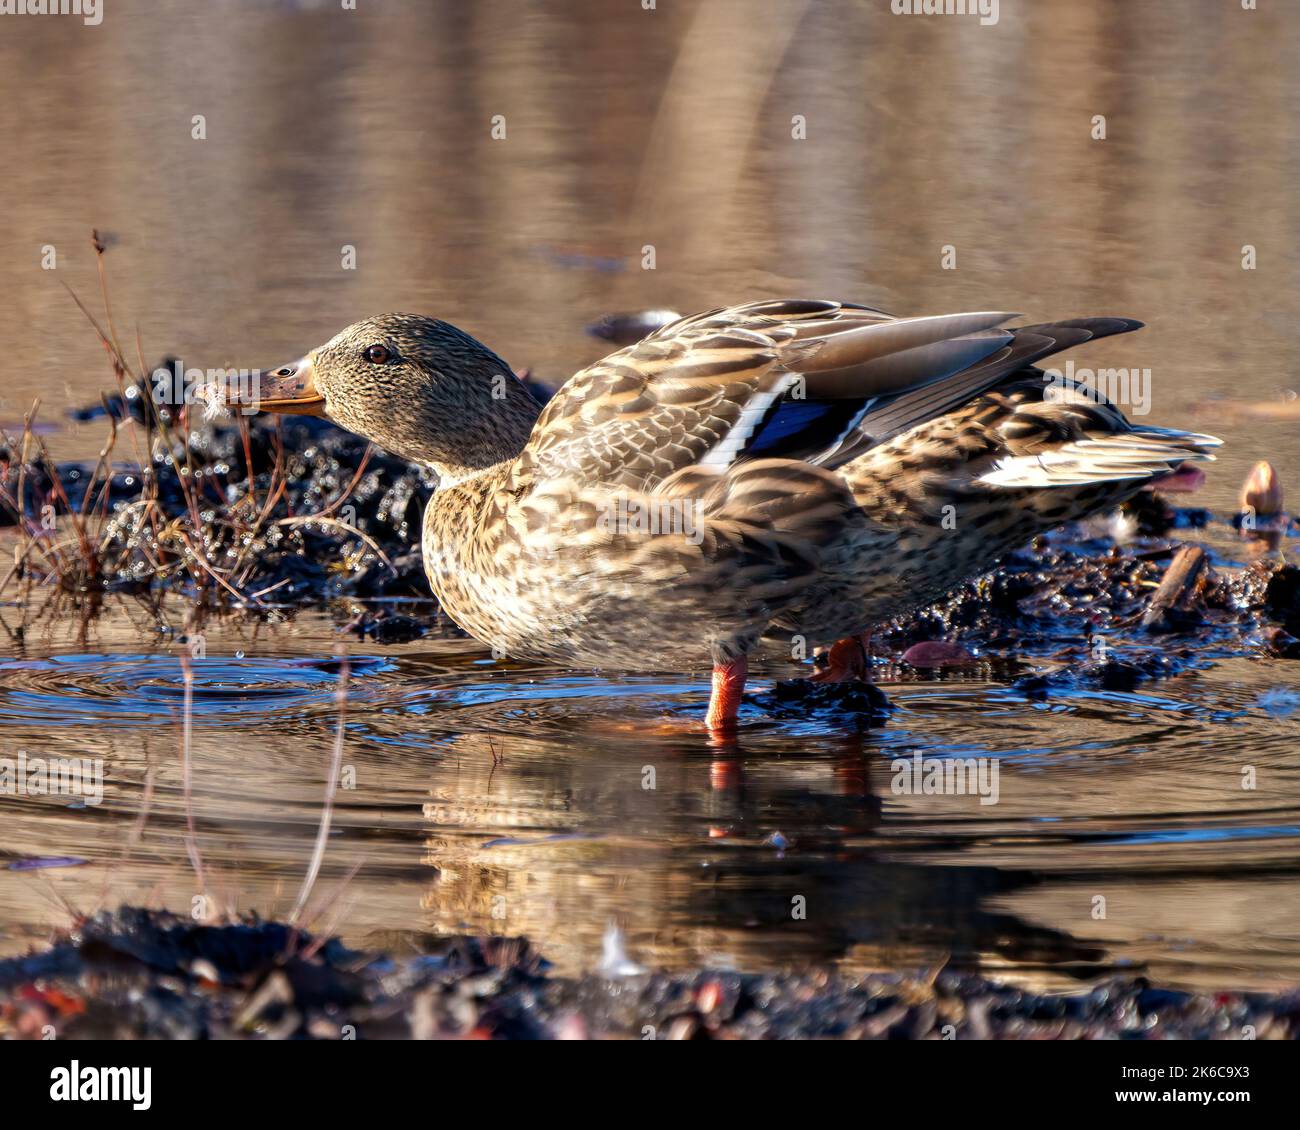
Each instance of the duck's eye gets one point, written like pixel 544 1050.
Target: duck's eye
pixel 377 354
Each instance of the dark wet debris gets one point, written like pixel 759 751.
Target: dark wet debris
pixel 1281 596
pixel 136 974
pixel 322 515
pixel 797 697
pixel 1106 675
pixel 387 627
pixel 1102 620
pixel 1155 516
pixel 1113 619
pixel 1177 604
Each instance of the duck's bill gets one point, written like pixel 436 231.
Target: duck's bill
pixel 289 390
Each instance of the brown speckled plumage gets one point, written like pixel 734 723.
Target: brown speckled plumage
pixel 780 469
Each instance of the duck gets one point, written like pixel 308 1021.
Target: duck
pixel 780 474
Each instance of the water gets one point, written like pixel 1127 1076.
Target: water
pixel 507 799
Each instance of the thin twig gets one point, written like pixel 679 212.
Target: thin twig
pixel 187 721
pixel 327 812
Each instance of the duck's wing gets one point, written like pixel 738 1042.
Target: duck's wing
pixel 885 417
pixel 786 379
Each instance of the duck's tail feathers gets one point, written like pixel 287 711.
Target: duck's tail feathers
pixel 1140 453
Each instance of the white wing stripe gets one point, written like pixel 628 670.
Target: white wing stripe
pixel 724 453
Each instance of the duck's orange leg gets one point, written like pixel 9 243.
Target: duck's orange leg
pixel 728 687
pixel 848 660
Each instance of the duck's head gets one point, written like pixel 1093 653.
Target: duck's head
pixel 418 387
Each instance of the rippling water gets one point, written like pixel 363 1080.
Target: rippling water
pixel 508 799
pixel 497 798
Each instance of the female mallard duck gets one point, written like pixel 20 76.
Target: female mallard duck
pixel 777 471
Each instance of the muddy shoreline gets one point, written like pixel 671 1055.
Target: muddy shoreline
pixel 136 974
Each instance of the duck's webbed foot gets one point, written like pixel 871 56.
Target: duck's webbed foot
pixel 728 689
pixel 847 661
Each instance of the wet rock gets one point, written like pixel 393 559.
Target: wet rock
pixel 1115 676
pixel 1282 597
pixel 937 653
pixel 1261 493
pixel 1035 687
pixel 1282 644
pixel 627 329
